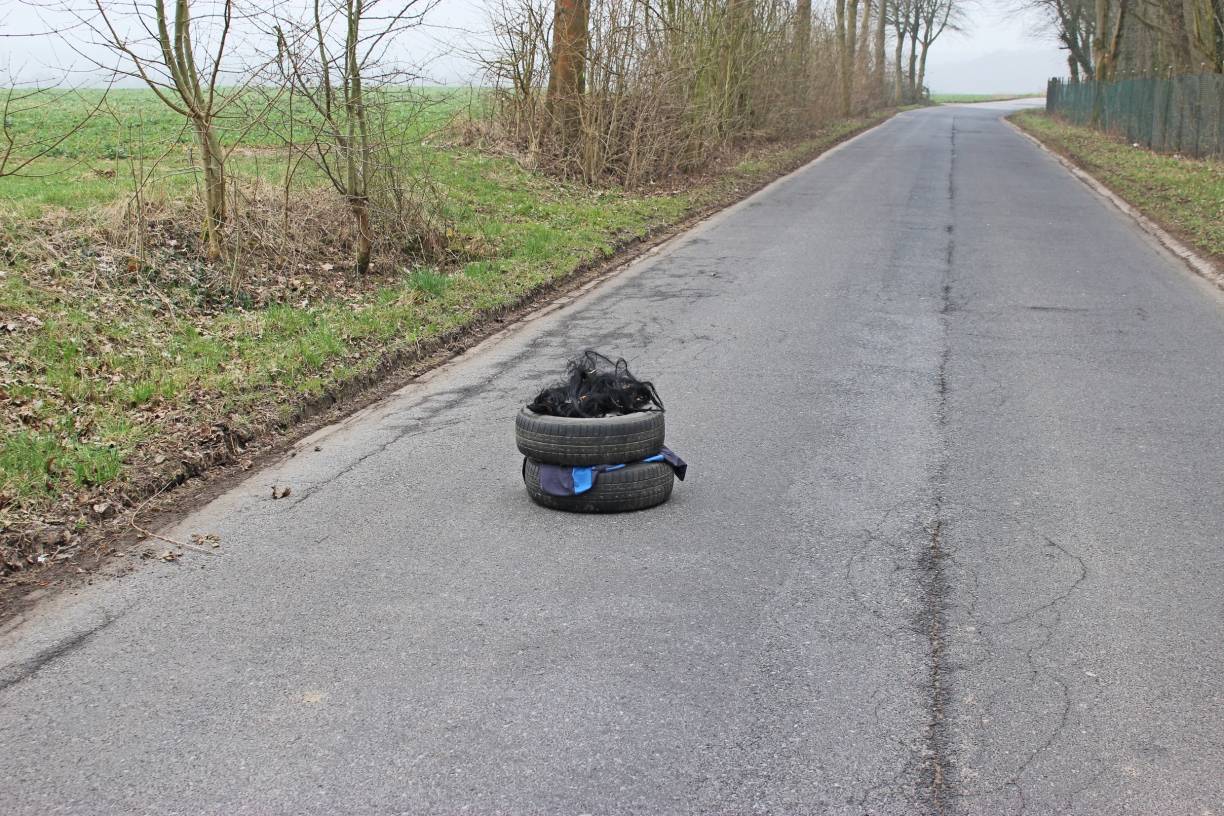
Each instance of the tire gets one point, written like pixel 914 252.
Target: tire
pixel 636 487
pixel 612 440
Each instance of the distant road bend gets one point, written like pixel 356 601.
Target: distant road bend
pixel 952 542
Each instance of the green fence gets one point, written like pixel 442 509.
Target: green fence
pixel 1182 114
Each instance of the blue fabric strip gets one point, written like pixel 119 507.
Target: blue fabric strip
pixel 584 479
pixel 557 480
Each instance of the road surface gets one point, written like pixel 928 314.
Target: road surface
pixel 952 542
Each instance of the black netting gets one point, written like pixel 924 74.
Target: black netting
pixel 596 386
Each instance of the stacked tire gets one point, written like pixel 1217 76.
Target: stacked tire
pixel 592 442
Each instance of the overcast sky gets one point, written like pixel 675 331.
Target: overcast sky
pixel 998 52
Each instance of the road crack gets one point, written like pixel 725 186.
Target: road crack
pixel 933 576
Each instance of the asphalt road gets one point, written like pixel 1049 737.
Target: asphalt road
pixel 952 542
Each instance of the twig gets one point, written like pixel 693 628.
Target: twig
pixel 158 536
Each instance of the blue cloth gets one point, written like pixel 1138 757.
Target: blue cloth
pixel 558 480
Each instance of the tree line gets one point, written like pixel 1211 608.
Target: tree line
pixel 1108 39
pixel 627 91
pixel 637 89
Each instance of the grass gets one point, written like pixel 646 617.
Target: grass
pixel 949 99
pixel 109 374
pixel 131 134
pixel 133 122
pixel 1186 196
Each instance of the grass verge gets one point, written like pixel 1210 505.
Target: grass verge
pixel 120 379
pixel 1185 196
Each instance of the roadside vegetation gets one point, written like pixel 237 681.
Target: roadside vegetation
pixel 1184 195
pixel 284 215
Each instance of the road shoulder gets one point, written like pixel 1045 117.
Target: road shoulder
pixel 1200 258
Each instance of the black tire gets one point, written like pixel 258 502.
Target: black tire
pixel 635 487
pixel 612 440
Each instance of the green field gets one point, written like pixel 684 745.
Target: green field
pixel 116 366
pixel 951 99
pixel 1184 195
pixel 127 132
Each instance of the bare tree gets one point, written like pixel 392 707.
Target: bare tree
pixel 669 84
pixel 1072 22
pixel 904 18
pixel 179 54
pixel 329 57
pixel 863 49
pixel 934 18
pixel 516 65
pixel 898 17
pixel 845 14
pixel 1136 36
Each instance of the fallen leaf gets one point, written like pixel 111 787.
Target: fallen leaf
pixel 206 540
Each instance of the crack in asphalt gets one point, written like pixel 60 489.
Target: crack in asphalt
pixel 942 773
pixel 1032 616
pixel 933 577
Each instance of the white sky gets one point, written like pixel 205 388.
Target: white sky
pixel 998 52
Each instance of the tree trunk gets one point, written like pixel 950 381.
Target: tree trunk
pixel 843 57
pixel 850 60
pixel 922 68
pixel 1183 54
pixel 898 75
pixel 360 207
pixel 803 29
pixel 912 73
pixel 213 231
pixel 739 33
pixel 1209 31
pixel 358 144
pixel 880 78
pixel 567 77
pixel 1107 38
pixel 864 40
